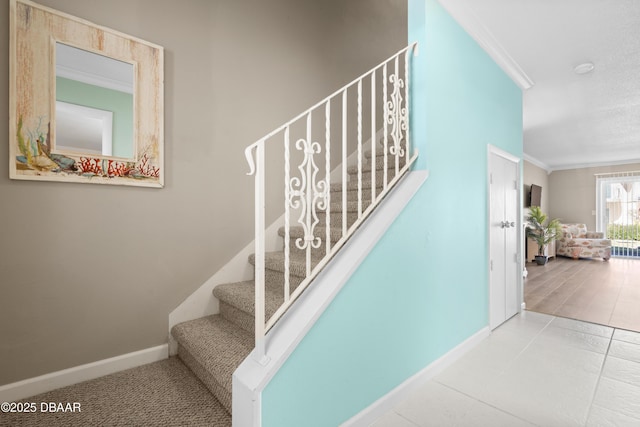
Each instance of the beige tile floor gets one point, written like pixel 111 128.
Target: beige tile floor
pixel 538 370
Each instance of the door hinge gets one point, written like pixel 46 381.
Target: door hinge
pixel 515 185
pixel 491 265
pixel 490 178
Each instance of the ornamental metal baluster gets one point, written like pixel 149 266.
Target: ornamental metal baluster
pixel 344 162
pixel 373 136
pixel 287 216
pixel 396 116
pixel 385 104
pixel 327 153
pixel 259 252
pixel 359 148
pixel 406 103
pixel 308 195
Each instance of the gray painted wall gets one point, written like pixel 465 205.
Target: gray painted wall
pixel 89 272
pixel 573 193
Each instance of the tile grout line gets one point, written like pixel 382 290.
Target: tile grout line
pixel 584 332
pixel 504 411
pixel 405 418
pixel 512 361
pixel 607 409
pixel 595 391
pixel 509 364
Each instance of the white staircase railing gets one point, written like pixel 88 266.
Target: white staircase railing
pixel 307 195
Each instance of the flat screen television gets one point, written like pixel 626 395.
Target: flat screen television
pixel 535 195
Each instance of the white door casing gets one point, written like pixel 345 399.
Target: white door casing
pixel 505 272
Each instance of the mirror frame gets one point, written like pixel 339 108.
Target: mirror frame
pixel 34 31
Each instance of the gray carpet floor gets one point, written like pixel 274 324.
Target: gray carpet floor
pixel 164 393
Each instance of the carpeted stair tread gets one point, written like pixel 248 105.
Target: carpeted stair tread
pixel 214 349
pixel 336 219
pixel 241 295
pixel 275 261
pixel 367 153
pixel 352 185
pixel 352 206
pixel 352 193
pixel 297 231
pixel 366 167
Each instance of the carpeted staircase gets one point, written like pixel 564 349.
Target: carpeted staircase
pixel 194 388
pixel 214 346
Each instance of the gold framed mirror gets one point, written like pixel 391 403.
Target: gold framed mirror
pixel 86 102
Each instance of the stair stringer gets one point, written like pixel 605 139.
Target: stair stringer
pixel 252 376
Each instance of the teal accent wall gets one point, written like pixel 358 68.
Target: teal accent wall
pixel 120 103
pixel 424 288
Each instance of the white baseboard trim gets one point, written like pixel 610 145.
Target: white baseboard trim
pixel 77 374
pixel 390 400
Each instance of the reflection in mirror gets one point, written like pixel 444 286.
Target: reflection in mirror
pixel 84 129
pixel 94 103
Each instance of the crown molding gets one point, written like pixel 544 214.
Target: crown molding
pixel 593 165
pixel 472 25
pixel 569 166
pixel 537 163
pixel 94 79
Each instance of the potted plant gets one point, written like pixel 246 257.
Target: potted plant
pixel 541 231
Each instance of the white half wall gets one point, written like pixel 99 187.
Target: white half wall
pixel 251 377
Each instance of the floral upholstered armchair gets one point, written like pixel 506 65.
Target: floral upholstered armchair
pixel 576 242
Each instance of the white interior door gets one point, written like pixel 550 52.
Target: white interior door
pixel 504 237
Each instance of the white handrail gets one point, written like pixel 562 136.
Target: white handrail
pixel 308 193
pixel 299 116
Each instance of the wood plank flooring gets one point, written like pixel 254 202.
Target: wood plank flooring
pixel 594 291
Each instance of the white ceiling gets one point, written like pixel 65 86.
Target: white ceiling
pixel 570 120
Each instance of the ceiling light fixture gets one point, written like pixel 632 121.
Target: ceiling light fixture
pixel 585 68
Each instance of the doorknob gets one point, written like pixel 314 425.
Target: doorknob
pixel 512 224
